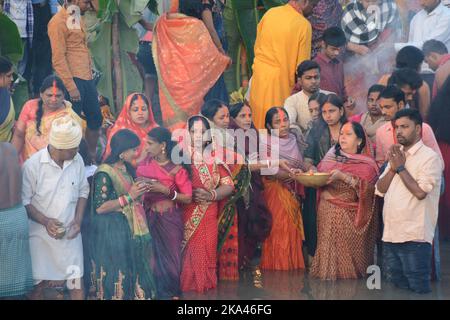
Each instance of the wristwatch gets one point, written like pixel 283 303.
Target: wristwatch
pixel 400 169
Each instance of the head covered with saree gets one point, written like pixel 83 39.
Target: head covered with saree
pixel 360 164
pixel 136 103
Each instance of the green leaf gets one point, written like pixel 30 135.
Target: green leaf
pixel 246 15
pixel 233 74
pixel 273 3
pixel 10 42
pixel 131 10
pixel 100 49
pixel 132 81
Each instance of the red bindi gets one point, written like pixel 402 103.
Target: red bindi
pixel 55 89
pixel 141 103
pixel 281 116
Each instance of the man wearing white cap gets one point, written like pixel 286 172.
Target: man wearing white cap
pixel 55 192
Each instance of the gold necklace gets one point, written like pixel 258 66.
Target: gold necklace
pixel 163 163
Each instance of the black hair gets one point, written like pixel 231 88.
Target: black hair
pixel 319 97
pixel 121 141
pixel 306 66
pixel 236 108
pixel 392 92
pixel 194 119
pixel 334 36
pixel 136 96
pixel 5 65
pixel 412 114
pixel 406 76
pixel 433 45
pixel 376 88
pixel 335 101
pixel 84 153
pixel 409 57
pixel 191 122
pixel 360 133
pixel 103 101
pixel 271 113
pixel 160 135
pixel 210 108
pixel 439 114
pixel 47 83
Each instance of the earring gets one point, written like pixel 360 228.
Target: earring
pixel 121 156
pixel 163 151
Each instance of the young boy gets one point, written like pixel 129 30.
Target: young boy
pixel 332 69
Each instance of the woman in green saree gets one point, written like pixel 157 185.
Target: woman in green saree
pixel 119 238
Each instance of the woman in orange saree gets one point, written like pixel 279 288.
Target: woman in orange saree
pixel 188 64
pixel 137 116
pixel 347 216
pixel 211 183
pixel 282 250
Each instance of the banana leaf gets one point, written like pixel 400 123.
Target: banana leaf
pixel 101 47
pixel 273 3
pixel 10 43
pixel 233 74
pixel 101 52
pixel 131 10
pixel 241 19
pixel 246 14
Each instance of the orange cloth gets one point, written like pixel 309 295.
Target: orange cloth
pixel 124 122
pixel 70 53
pixel 283 41
pixel 188 65
pixel 282 250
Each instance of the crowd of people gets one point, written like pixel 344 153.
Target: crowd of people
pixel 135 207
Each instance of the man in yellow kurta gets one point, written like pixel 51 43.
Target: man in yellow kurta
pixel 283 41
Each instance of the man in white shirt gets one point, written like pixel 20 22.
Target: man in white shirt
pixel 432 22
pixel 410 185
pixel 308 77
pixel 54 193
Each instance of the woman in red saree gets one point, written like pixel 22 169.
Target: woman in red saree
pixel 211 183
pixel 188 63
pixel 137 116
pixel 228 249
pixel 169 189
pixel 347 215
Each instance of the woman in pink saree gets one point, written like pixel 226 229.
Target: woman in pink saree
pixel 170 189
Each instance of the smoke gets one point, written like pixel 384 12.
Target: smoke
pixel 361 72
